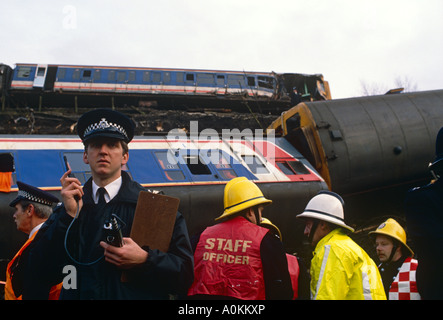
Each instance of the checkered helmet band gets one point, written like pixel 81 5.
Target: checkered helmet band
pixel 103 124
pixel 31 197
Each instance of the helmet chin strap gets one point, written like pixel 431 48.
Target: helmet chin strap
pixel 257 216
pixel 394 249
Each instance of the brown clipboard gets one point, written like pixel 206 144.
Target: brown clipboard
pixel 153 222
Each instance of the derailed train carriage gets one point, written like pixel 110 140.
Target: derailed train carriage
pixel 37 85
pixel 193 169
pixel 371 150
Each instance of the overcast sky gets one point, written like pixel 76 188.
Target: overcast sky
pixel 347 41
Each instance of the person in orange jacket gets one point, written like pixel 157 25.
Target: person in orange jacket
pixel 33 207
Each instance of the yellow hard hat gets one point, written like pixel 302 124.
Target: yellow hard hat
pixel 394 230
pixel 266 223
pixel 240 194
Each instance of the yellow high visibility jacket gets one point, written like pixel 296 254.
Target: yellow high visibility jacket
pixel 342 270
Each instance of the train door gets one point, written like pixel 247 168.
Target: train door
pixel 156 82
pixel 132 84
pixel 86 79
pixel 252 85
pixel 40 76
pixel 121 81
pixel 220 84
pixel 190 83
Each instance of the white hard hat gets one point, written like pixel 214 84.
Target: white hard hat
pixel 326 206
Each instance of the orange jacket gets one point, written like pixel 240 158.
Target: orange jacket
pixel 9 292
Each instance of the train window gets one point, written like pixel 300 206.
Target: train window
pixel 217 158
pixel 236 79
pixel 121 76
pixel 251 81
pixel 285 168
pixel 174 175
pixel 146 76
pixel 86 73
pixel 298 167
pixel 189 77
pixel 76 74
pixel 266 82
pixel 179 77
pixel 24 72
pixel 111 75
pixel 97 75
pixel 292 167
pixel 166 77
pixel 220 80
pixel 221 163
pixel 166 160
pixel 131 75
pixel 205 78
pixel 196 165
pixel 156 77
pixel 255 164
pixel 41 72
pixel 61 73
pixel 169 164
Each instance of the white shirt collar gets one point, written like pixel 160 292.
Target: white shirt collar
pixel 111 190
pixel 36 228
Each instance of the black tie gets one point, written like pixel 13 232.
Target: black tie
pixel 101 197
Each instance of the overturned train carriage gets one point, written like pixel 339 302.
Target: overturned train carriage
pixel 369 149
pixel 193 170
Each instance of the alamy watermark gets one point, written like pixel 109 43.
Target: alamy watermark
pixel 70 280
pixel 69 17
pixel 209 142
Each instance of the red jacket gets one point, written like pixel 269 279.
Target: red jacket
pixel 294 271
pixel 228 262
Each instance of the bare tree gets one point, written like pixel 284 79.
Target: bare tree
pixel 406 83
pixel 372 89
pixel 375 88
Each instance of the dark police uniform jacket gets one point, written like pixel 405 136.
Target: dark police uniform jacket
pixel 424 219
pixel 162 275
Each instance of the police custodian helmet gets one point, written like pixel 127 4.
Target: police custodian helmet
pixel 30 193
pixel 105 123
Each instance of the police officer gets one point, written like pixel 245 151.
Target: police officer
pixel 397 267
pixel 340 269
pixel 236 258
pixel 424 220
pixel 33 207
pixel 75 236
